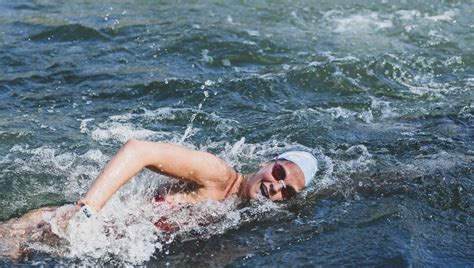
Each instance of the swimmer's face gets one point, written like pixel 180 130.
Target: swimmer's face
pixel 276 180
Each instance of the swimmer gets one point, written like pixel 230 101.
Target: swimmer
pixel 278 179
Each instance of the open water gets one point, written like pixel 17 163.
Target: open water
pixel 380 91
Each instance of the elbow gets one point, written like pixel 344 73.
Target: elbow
pixel 138 151
pixel 132 147
pixel 132 143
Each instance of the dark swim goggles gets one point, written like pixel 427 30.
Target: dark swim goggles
pixel 279 173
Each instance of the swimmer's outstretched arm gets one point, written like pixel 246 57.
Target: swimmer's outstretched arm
pixel 205 169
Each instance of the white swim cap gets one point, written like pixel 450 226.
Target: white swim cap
pixel 305 161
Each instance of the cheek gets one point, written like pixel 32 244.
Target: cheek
pixel 253 185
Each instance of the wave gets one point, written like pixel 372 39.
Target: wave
pixel 229 48
pixel 71 32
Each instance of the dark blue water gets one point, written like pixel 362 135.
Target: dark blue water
pixel 381 92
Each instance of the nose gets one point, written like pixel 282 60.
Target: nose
pixel 276 187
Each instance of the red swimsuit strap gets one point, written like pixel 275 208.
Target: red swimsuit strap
pixel 232 185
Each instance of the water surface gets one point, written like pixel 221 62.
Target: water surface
pixel 380 92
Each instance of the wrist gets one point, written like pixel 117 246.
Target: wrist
pixel 87 211
pixel 86 203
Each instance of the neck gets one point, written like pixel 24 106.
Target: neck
pixel 240 190
pixel 232 189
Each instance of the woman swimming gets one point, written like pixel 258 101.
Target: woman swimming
pixel 280 178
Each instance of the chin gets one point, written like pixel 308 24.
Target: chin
pixel 253 195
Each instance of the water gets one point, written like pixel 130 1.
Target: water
pixel 380 92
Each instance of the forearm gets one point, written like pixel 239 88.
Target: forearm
pixel 207 170
pixel 124 165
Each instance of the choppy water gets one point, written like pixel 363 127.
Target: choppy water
pixel 380 91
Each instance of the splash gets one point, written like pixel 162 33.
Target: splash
pixel 126 232
pixel 361 23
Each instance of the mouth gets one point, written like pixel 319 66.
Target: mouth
pixel 264 190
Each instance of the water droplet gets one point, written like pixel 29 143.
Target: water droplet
pixel 226 62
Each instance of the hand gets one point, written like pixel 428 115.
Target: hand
pixel 63 215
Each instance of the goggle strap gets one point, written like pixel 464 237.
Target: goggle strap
pixel 282 183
